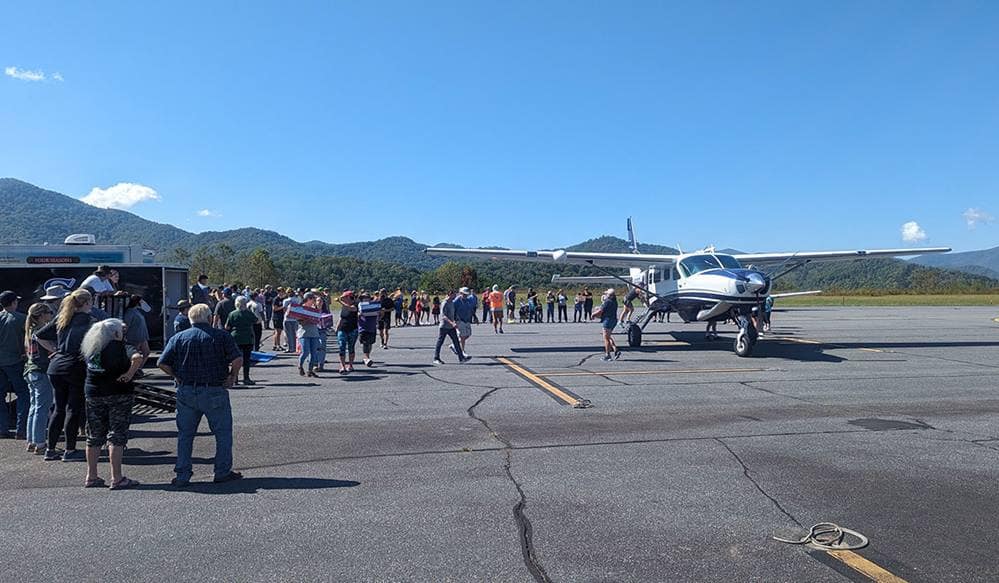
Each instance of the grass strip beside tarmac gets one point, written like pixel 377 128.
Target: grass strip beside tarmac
pixel 891 300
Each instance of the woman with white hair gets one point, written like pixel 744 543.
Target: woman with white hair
pixel 110 394
pixel 240 324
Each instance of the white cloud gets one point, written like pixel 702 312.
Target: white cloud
pixel 974 216
pixel 208 213
pixel 57 76
pixel 25 74
pixel 123 195
pixel 913 233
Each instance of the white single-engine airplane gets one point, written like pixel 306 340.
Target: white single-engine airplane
pixel 703 286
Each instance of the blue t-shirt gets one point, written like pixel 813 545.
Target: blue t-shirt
pixel 464 307
pixel 608 310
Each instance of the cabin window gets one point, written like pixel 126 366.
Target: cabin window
pixel 698 263
pixel 728 261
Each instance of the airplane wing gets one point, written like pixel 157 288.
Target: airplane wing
pixel 793 294
pixel 771 259
pixel 558 256
pixel 587 279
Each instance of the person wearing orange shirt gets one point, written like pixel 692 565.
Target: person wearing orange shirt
pixel 496 307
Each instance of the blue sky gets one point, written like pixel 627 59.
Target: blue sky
pixel 760 126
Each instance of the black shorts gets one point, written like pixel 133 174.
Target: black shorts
pixel 385 322
pixel 367 340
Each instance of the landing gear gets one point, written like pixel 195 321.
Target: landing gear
pixel 745 340
pixel 634 332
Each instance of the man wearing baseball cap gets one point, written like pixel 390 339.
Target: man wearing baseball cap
pixel 12 364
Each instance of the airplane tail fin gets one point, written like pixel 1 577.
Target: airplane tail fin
pixel 632 240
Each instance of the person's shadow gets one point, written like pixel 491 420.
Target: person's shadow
pixel 253 485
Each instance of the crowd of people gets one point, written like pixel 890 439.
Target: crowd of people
pixel 72 367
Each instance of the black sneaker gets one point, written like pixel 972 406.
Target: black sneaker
pixel 606 358
pixel 178 483
pixel 617 354
pixel 75 455
pixel 52 455
pixel 231 476
pixel 466 359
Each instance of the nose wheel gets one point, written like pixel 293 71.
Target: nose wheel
pixel 745 340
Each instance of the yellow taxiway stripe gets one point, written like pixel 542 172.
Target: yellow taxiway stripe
pixel 871 349
pixel 864 567
pixel 614 373
pixel 542 384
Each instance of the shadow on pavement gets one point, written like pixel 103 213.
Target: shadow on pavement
pixel 143 434
pixel 254 485
pixel 141 457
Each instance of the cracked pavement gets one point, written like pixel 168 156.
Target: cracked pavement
pixel 410 472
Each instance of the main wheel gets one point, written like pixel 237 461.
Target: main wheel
pixel 634 335
pixel 744 343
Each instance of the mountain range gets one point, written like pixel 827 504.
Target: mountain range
pixel 34 215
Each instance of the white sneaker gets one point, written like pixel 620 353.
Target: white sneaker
pixel 438 361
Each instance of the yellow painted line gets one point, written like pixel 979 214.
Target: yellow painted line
pixel 996 320
pixel 614 373
pixel 540 382
pixel 872 350
pixel 668 343
pixel 866 568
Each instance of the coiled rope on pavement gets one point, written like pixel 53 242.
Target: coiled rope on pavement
pixel 829 536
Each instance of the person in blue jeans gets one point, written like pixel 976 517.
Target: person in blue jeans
pixel 36 375
pixel 204 363
pixel 309 339
pixel 346 332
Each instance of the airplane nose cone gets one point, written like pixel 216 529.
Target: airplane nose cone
pixel 755 282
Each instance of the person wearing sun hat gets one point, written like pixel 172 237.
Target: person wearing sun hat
pixel 54 293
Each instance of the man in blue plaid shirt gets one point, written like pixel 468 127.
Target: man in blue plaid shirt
pixel 204 362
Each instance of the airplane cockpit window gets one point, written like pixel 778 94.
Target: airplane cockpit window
pixel 728 261
pixel 698 263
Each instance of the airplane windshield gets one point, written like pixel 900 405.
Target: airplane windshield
pixel 698 263
pixel 728 261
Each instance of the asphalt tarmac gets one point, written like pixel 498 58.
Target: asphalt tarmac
pixel 687 461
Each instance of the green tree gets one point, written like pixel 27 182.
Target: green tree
pixel 258 269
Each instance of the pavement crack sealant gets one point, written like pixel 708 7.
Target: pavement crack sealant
pixel 524 528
